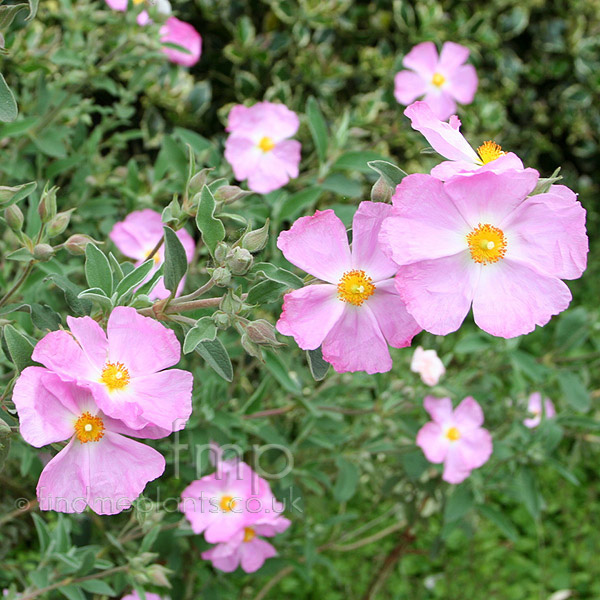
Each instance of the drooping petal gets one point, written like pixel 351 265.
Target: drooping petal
pixel 91 338
pixel 423 59
pixel 433 442
pixel 468 415
pixel 463 84
pixel 408 86
pixel 452 57
pixel 178 32
pixel 439 409
pixel 253 554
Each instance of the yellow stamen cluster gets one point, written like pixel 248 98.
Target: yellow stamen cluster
pixel 438 79
pixel 89 428
pixel 227 503
pixel 489 151
pixel 266 144
pixel 487 244
pixel 115 376
pixel 453 434
pixel 249 534
pixel 355 287
pixel 155 256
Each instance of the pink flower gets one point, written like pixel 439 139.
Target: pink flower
pixel 222 504
pixel 534 407
pixel 444 80
pixel 124 369
pixel 137 236
pixel 446 139
pixel 428 365
pixel 480 240
pixel 99 467
pixel 245 548
pixel 120 5
pixel 357 312
pixel 183 34
pixel 135 596
pixel 258 148
pixel 455 438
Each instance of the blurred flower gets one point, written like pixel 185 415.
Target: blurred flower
pixel 183 34
pixel 123 368
pixel 480 240
pixel 137 236
pixel 99 467
pixel 357 312
pixel 258 148
pixel 534 407
pixel 455 438
pixel 446 139
pixel 443 80
pixel 117 4
pixel 428 365
pixel 135 596
pixel 163 7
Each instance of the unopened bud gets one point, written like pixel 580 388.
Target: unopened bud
pixel 157 574
pixel 14 217
pixel 172 213
pixel 256 240
pixel 197 182
pixel 250 347
pixel 231 304
pixel 43 252
pixel 221 320
pixel 261 332
pixel 47 205
pixel 381 191
pixel 59 223
pixel 230 193
pixel 239 260
pixel 221 276
pixel 221 252
pixel 76 244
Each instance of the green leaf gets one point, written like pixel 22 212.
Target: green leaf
pixel 12 195
pixel 391 173
pixel 42 531
pixel 134 278
pixel 265 292
pixel 298 202
pixel 8 14
pixel 19 347
pixel 347 480
pixel 357 161
pixel 44 317
pixel 204 330
pixel 77 306
pixel 5 434
pixel 175 265
pixel 193 139
pixel 527 490
pixel 215 354
pixel 210 227
pixel 8 105
pixel 281 372
pixel 318 127
pixel 97 270
pixel 97 586
pixel 171 156
pixel 33 6
pixel 458 504
pixel 72 592
pixel 278 274
pixel 318 367
pixel 97 295
pixel 500 520
pixel 574 391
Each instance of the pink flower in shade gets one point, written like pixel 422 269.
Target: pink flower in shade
pixel 258 148
pixel 135 596
pixel 137 236
pixel 99 467
pixel 443 80
pixel 357 311
pixel 222 504
pixel 480 240
pixel 534 407
pixel 245 548
pixel 446 139
pixel 455 438
pixel 183 34
pixel 124 368
pixel 428 365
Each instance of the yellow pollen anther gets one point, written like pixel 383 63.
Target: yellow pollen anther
pixel 487 244
pixel 227 503
pixel 115 376
pixel 155 257
pixel 138 1
pixel 438 79
pixel 489 151
pixel 249 534
pixel 89 428
pixel 453 434
pixel 355 287
pixel 266 144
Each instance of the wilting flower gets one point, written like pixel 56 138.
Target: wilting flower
pixel 183 34
pixel 446 139
pixel 443 80
pixel 455 438
pixel 428 365
pixel 245 548
pixel 357 312
pixel 124 368
pixel 137 236
pixel 258 148
pixel 99 467
pixel 534 407
pixel 480 240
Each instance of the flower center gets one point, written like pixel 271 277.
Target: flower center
pixel 89 428
pixel 355 287
pixel 115 376
pixel 453 434
pixel 266 144
pixel 489 151
pixel 227 503
pixel 438 79
pixel 249 534
pixel 487 244
pixel 155 257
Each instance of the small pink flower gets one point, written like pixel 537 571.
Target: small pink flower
pixel 99 467
pixel 183 34
pixel 446 139
pixel 137 236
pixel 443 80
pixel 357 311
pixel 124 368
pixel 428 365
pixel 245 548
pixel 258 148
pixel 534 407
pixel 480 240
pixel 455 438
pixel 135 596
pixel 120 5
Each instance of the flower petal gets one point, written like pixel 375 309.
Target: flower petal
pixel 175 31
pixel 433 442
pixel 439 409
pixel 441 103
pixel 91 338
pixel 243 155
pixel 452 57
pixel 468 415
pixel 475 448
pixel 408 86
pixel 463 84
pixel 253 554
pixel 455 470
pixel 423 59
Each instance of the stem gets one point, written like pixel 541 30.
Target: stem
pixel 31 504
pixel 270 412
pixel 199 292
pixel 156 248
pixel 17 284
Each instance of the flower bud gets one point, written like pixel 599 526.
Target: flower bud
pixel 47 205
pixel 76 244
pixel 221 252
pixel 197 182
pixel 59 223
pixel 43 252
pixel 231 304
pixel 239 260
pixel 14 217
pixel 261 332
pixel 157 574
pixel 221 276
pixel 256 240
pixel 381 191
pixel 221 320
pixel 230 193
pixel 250 347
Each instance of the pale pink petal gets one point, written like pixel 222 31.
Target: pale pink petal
pixel 138 233
pixel 468 415
pixel 463 83
pixel 533 421
pixel 433 442
pixel 243 155
pixel 423 59
pixel 455 470
pixel 91 338
pixel 549 408
pixel 119 404
pixel 535 403
pixel 449 168
pixel 475 447
pixel 272 526
pixel 274 168
pixel 288 153
pixel 143 19
pixel 318 245
pixel 439 409
pixel 120 5
pixel 226 563
pixel 264 119
pixel 408 86
pixel 452 57
pixel 183 34
pixel 253 554
pixel 441 103
pixel 225 527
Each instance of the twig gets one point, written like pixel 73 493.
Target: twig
pixel 17 284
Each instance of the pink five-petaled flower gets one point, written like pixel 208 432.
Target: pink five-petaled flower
pixel 183 34
pixel 357 312
pixel 223 503
pixel 428 365
pixel 480 240
pixel 444 80
pixel 137 236
pixel 99 467
pixel 245 548
pixel 124 369
pixel 135 596
pixel 534 407
pixel 455 438
pixel 446 139
pixel 258 148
